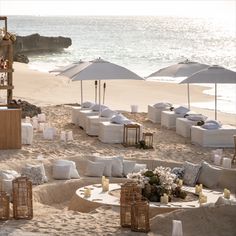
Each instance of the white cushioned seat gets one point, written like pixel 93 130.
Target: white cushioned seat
pixel 82 114
pixel 222 137
pixel 168 119
pixel 27 133
pixel 112 133
pixel 183 127
pixel 154 113
pixel 92 124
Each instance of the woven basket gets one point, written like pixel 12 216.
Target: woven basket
pixel 4 206
pixel 22 198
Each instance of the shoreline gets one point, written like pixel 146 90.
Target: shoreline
pixel 49 89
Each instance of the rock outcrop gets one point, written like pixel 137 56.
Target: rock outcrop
pixel 36 44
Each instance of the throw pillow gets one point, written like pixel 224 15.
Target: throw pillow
pixel 61 171
pixel 120 119
pixel 108 166
pixel 94 169
pixel 228 179
pixel 107 113
pixel 96 107
pixel 196 117
pixel 181 110
pixel 128 167
pixel 191 172
pixel 138 167
pixel 87 104
pixel 178 171
pixel 209 175
pixel 162 105
pixel 34 173
pixel 9 174
pixel 73 171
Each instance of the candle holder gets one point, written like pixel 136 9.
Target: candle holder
pixel 22 198
pixel 226 193
pixel 131 135
pixel 148 140
pixel 4 206
pixel 87 192
pixel 105 185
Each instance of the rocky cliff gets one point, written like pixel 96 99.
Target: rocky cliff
pixel 35 44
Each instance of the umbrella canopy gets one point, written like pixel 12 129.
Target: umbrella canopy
pixel 214 74
pixel 98 69
pixel 182 69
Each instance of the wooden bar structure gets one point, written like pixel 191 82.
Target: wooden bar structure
pixel 10 115
pixel 131 135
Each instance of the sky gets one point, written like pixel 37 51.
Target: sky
pixel 197 8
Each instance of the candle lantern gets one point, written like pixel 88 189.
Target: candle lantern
pixel 234 157
pixel 4 206
pixel 140 216
pixel 131 135
pixel 148 140
pixel 22 198
pixel 130 191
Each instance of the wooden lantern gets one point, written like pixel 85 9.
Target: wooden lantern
pixel 22 198
pixel 140 216
pixel 148 139
pixel 234 157
pixel 131 135
pixel 130 192
pixel 4 206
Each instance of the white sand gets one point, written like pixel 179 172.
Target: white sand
pixel 51 200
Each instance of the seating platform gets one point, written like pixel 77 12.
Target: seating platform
pixel 154 114
pixel 82 114
pixel 74 114
pixel 112 133
pixel 92 124
pixel 222 137
pixel 183 127
pixel 168 119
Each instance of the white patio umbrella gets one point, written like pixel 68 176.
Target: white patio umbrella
pixel 69 71
pixel 181 69
pixel 214 74
pixel 99 69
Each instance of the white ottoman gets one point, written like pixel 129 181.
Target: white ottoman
pixel 154 114
pixel 27 133
pixel 82 114
pixel 112 133
pixel 183 127
pixel 92 124
pixel 222 137
pixel 168 119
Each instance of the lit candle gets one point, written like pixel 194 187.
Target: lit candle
pixel 198 189
pixel 87 192
pixel 226 193
pixel 180 182
pixel 105 186
pixel 202 199
pixel 165 199
pixel 103 178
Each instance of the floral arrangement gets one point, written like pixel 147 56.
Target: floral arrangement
pixel 158 182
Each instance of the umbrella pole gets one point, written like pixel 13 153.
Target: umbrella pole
pixel 188 97
pixel 215 101
pixel 81 92
pixel 99 96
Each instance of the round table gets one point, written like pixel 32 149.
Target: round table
pixel 105 198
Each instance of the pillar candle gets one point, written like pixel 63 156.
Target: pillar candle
pixel 165 198
pixel 180 182
pixel 217 159
pixel 87 192
pixel 226 193
pixel 105 186
pixel 226 163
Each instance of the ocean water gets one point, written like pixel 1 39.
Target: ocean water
pixel 142 44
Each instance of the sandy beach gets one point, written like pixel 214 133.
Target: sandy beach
pixel 51 200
